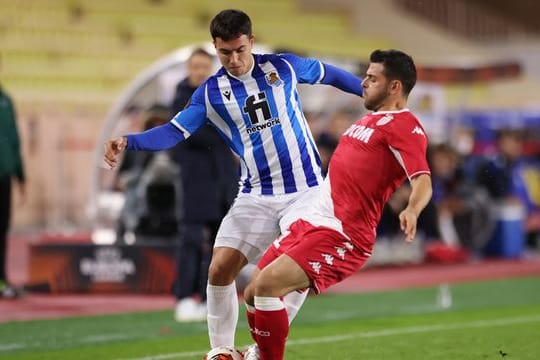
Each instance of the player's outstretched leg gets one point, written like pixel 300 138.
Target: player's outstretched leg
pixel 293 302
pixel 271 327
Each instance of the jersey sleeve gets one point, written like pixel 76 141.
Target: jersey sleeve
pixel 312 71
pixel 408 142
pixel 179 128
pixel 308 71
pixel 194 114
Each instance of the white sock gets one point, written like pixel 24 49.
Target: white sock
pixel 268 303
pixel 293 302
pixel 222 302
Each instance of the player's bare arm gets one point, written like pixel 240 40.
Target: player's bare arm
pixel 113 148
pixel 419 198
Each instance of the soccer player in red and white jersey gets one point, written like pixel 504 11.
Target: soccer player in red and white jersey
pixel 374 156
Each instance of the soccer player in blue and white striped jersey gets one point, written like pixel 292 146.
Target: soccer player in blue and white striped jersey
pixel 253 103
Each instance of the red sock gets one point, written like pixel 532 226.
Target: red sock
pixel 250 314
pixel 271 327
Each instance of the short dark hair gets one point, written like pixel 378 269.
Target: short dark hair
pixel 230 24
pixel 200 51
pixel 397 66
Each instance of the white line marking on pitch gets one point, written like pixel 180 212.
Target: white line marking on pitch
pixel 105 338
pixel 6 347
pixel 372 334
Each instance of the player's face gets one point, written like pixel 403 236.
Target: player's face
pixel 235 55
pixel 199 68
pixel 376 87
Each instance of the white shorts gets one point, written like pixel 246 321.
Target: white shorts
pixel 254 221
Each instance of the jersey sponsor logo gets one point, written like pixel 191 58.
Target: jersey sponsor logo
pixel 328 258
pixel 418 130
pixel 272 79
pixel 359 132
pixel 316 266
pixel 258 110
pixel 385 120
pixel 263 126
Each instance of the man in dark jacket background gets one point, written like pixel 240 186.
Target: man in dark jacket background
pixel 11 166
pixel 209 182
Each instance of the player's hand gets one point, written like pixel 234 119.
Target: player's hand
pixel 407 220
pixel 113 148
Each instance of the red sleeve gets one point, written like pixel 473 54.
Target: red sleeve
pixel 408 142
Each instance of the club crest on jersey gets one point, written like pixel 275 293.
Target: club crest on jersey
pixel 272 79
pixel 385 119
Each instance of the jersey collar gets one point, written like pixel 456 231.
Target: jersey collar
pixel 247 75
pixel 390 111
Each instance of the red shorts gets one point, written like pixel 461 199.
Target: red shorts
pixel 326 255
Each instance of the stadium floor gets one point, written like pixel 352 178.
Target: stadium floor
pixel 43 306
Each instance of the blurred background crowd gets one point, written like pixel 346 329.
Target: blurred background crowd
pixel 80 72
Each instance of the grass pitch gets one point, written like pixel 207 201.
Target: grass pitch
pixel 487 320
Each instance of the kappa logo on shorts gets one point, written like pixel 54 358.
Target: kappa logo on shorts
pixel 328 258
pixel 316 266
pixel 341 252
pixel 348 245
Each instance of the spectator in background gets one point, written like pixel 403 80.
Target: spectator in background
pixel 11 167
pixel 495 174
pixel 511 178
pixel 327 139
pixel 464 208
pixel 326 145
pixel 210 183
pixel 152 188
pixel 428 228
pixel 462 142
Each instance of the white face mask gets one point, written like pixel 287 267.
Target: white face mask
pixel 463 144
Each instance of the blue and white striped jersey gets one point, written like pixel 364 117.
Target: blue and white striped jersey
pixel 260 116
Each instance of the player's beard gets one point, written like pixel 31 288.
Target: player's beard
pixel 376 101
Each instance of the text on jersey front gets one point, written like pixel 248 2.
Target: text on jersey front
pixel 359 132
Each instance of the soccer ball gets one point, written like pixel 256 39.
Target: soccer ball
pixel 224 353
